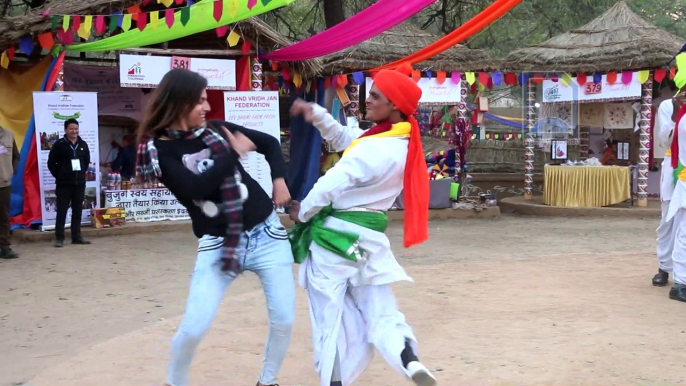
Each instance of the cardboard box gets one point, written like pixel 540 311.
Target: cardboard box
pixel 108 217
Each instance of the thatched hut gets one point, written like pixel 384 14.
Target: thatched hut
pixel 399 42
pixel 616 40
pixel 205 44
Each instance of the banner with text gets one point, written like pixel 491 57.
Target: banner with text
pixel 433 93
pixel 255 110
pixel 141 71
pixel 51 110
pixel 590 91
pixel 146 205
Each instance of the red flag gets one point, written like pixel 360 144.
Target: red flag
pixel 659 74
pixel 245 47
pixel 221 31
pixel 178 2
pixel 611 77
pixel 134 11
pixel 100 24
pixel 483 78
pixel 76 22
pixel 142 20
pixel 10 52
pixel 46 41
pixel 169 17
pixel 581 79
pixel 327 83
pixel 218 10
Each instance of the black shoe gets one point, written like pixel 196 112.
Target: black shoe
pixel 80 241
pixel 59 243
pixel 678 292
pixel 8 253
pixel 661 279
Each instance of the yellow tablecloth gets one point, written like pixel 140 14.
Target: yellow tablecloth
pixel 586 186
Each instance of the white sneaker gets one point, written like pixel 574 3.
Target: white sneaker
pixel 420 375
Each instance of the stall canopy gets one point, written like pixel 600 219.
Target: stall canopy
pixel 616 40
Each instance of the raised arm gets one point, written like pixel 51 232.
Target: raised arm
pixel 337 135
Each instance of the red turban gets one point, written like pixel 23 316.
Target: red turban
pixel 404 93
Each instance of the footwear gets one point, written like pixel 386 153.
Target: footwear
pixel 421 376
pixel 678 292
pixel 59 243
pixel 80 241
pixel 661 278
pixel 8 253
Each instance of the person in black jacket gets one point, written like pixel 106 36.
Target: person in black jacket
pixel 68 162
pixel 233 217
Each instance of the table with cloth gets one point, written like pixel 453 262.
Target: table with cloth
pixel 586 186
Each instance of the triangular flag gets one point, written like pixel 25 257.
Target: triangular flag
pixel 46 41
pixel 358 77
pixel 597 77
pixel 627 77
pixel 4 60
pixel 221 31
pixel 566 79
pixel 471 78
pixel 251 3
pixel 232 8
pixel 275 65
pixel 659 74
pixel 643 76
pixel 538 78
pixel 497 78
pixel 100 24
pixel 169 17
pixel 489 84
pixel 265 2
pixel 126 22
pixel 218 10
pixel 327 83
pixel 440 77
pixel 65 22
pixel 178 2
pixel 523 78
pixel 456 77
pixel 185 15
pixel 680 77
pixel 297 80
pixel 611 77
pixel 26 45
pixel 145 3
pixel 76 23
pixel 416 75
pixel 114 22
pixel 308 88
pixel 55 21
pixel 142 21
pixel 342 80
pixel 66 37
pixel 511 79
pixel 334 81
pixel 84 31
pixel 233 39
pixel 483 78
pixel 134 10
pixel 245 47
pixel 672 73
pixel 286 73
pixel 581 79
pixel 166 3
pixel 154 19
pixel 10 52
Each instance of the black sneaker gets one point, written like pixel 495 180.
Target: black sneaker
pixel 59 243
pixel 80 241
pixel 8 253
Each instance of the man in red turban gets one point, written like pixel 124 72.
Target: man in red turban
pixel 347 263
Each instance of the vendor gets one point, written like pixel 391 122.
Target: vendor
pixel 610 153
pixel 125 162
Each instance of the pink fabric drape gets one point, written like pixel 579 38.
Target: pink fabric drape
pixel 379 17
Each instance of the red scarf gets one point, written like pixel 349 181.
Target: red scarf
pixel 675 137
pixel 378 129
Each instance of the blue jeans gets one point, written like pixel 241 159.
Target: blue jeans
pixel 264 250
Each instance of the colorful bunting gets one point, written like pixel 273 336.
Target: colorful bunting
pixel 154 19
pixel 185 15
pixel 611 77
pixel 134 10
pixel 10 52
pixel 627 77
pixel 55 20
pixel 581 79
pixel 178 2
pixel 221 31
pixel 471 78
pixel 643 76
pixel 511 79
pixel 672 73
pixel 430 75
pixel 566 79
pixel 218 10
pixel 84 30
pixel 440 77
pixel 114 23
pixel 126 22
pixel 75 23
pixel 342 80
pixel 483 78
pixel 416 75
pixel 232 7
pixel 265 2
pixel 456 77
pixel 26 45
pixel 169 17
pixel 597 77
pixel 659 74
pixel 100 24
pixel 166 3
pixel 297 79
pixel 233 40
pixel 245 47
pixel 65 22
pixel 251 4
pixel 358 77
pixel 497 78
pixel 4 60
pixel 142 21
pixel 46 41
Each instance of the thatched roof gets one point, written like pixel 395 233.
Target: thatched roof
pixel 254 30
pixel 616 40
pixel 399 42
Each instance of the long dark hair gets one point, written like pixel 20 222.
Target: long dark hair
pixel 177 94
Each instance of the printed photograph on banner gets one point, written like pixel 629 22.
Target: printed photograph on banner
pixel 51 110
pixel 259 111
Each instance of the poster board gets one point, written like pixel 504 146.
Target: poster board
pixel 255 110
pixel 142 71
pixel 51 110
pixel 590 91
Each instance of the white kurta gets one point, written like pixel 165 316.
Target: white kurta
pixel 665 232
pixel 677 213
pixel 352 309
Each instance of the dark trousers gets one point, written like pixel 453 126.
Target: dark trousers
pixel 69 195
pixel 5 196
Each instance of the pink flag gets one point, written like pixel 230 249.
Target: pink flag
pixel 169 17
pixel 627 77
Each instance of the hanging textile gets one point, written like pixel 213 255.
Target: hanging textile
pixel 305 147
pixel 375 19
pixel 468 29
pixel 200 20
pixel 592 114
pixel 619 116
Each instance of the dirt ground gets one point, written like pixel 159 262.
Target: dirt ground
pixel 509 301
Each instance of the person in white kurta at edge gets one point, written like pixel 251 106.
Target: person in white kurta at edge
pixel 677 208
pixel 664 124
pixel 346 260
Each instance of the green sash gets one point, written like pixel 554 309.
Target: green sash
pixel 677 171
pixel 339 242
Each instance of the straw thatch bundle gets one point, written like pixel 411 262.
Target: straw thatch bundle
pixel 399 42
pixel 616 40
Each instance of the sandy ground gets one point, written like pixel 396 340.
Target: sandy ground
pixel 510 301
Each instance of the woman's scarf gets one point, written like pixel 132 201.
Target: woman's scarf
pixel 148 167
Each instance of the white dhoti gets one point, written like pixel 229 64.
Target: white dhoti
pixel 665 239
pixel 352 307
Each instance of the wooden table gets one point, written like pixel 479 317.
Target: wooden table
pixel 586 186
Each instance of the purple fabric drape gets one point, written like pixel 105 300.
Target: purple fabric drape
pixel 379 17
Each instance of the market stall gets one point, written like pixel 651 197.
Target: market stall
pixel 585 186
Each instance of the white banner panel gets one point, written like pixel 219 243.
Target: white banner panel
pixel 433 93
pixel 558 92
pixel 142 71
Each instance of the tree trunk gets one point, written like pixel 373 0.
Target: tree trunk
pixel 333 12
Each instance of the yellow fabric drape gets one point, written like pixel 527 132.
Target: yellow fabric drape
pixel 16 99
pixel 586 186
pixel 401 129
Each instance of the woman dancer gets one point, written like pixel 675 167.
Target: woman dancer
pixel 199 163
